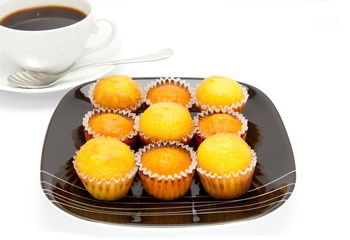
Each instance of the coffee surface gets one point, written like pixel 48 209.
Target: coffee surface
pixel 42 18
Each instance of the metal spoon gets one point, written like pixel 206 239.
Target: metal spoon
pixel 32 79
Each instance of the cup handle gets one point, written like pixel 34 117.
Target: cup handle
pixel 95 29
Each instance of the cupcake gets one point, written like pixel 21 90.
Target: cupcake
pixel 208 123
pixel 116 92
pixel 106 167
pixel 226 165
pixel 110 123
pixel 165 122
pixel 221 92
pixel 166 170
pixel 169 90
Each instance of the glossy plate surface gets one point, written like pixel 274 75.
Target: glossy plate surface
pixel 273 181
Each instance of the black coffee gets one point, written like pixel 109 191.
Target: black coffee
pixel 42 18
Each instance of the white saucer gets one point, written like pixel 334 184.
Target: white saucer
pixel 70 80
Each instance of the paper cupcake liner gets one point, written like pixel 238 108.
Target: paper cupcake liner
pixel 169 80
pixel 238 107
pixel 89 133
pixel 147 140
pixel 199 136
pixel 103 189
pixel 171 186
pixel 228 185
pixel 95 105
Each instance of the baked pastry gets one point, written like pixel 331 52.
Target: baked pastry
pixel 210 122
pixel 106 166
pixel 116 92
pixel 226 165
pixel 119 124
pixel 166 170
pixel 165 122
pixel 169 90
pixel 221 92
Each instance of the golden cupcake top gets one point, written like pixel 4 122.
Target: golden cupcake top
pixel 105 158
pixel 166 121
pixel 117 92
pixel 219 91
pixel 169 93
pixel 166 161
pixel 224 153
pixel 112 125
pixel 219 123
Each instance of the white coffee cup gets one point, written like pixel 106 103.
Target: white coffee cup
pixel 52 50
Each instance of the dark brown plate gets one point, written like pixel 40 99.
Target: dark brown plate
pixel 273 181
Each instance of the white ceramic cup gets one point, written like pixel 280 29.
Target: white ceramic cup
pixel 52 50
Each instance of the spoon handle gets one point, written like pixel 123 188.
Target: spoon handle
pixel 165 53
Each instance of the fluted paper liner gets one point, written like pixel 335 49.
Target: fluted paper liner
pixel 228 185
pixel 169 80
pixel 203 114
pixel 147 140
pixel 103 189
pixel 130 109
pixel 89 133
pixel 238 107
pixel 166 187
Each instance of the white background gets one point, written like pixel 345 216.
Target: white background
pixel 295 51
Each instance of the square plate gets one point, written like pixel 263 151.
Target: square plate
pixel 273 180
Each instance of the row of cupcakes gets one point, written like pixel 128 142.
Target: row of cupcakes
pixel 168 122
pixel 107 167
pixel 122 92
pixel 162 122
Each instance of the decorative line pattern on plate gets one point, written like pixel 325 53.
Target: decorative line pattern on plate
pixel 251 190
pixel 206 203
pixel 189 212
pixel 195 206
pixel 61 197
